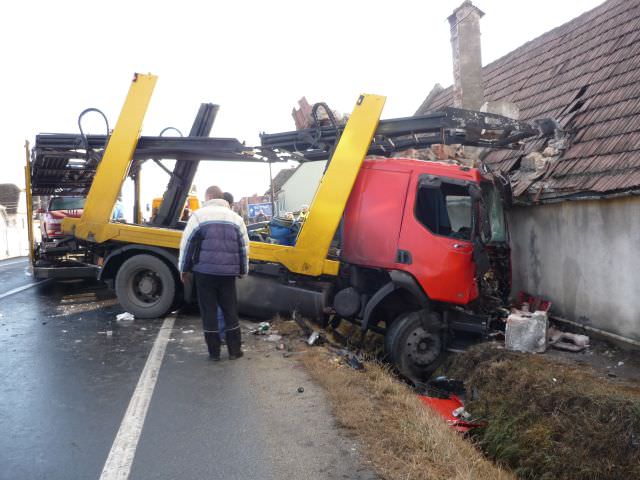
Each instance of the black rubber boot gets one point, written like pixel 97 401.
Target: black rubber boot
pixel 234 344
pixel 213 344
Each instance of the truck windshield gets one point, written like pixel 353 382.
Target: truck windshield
pixel 493 203
pixel 445 210
pixel 67 203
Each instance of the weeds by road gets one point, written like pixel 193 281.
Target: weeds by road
pixel 403 439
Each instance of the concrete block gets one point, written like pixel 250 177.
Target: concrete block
pixel 527 332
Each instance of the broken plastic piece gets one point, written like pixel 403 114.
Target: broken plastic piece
pixel 445 407
pixel 572 342
pixel 314 338
pixel 125 316
pixel 355 362
pixel 263 328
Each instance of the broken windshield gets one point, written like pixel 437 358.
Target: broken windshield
pixel 494 208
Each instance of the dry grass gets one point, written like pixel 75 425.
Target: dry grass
pixel 403 439
pixel 548 420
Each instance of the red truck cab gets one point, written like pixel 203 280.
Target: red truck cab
pixel 417 241
pixel 415 216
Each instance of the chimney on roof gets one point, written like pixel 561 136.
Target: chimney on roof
pixel 468 87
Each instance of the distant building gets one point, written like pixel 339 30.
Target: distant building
pixel 299 186
pixel 14 240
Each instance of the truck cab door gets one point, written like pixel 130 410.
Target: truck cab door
pixel 437 233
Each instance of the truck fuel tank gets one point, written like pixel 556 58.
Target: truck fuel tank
pixel 261 296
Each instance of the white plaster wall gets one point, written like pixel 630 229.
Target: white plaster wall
pixel 4 236
pixel 301 187
pixel 584 256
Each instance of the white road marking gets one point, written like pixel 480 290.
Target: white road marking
pixel 17 262
pixel 123 450
pixel 20 289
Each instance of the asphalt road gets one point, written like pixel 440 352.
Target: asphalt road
pixel 66 385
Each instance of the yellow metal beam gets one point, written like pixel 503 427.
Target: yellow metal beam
pixel 113 168
pixel 308 256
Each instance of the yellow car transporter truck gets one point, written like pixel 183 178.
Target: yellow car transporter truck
pixel 322 274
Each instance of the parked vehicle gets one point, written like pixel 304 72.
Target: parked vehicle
pixel 58 209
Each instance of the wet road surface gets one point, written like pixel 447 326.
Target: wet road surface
pixel 66 384
pixel 14 274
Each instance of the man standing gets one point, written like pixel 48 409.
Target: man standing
pixel 215 247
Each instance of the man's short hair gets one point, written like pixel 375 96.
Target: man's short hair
pixel 213 192
pixel 229 198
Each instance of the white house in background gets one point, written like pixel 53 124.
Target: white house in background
pixel 300 187
pixel 14 240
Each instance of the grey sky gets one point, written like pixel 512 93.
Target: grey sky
pixel 255 59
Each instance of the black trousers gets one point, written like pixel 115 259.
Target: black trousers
pixel 214 291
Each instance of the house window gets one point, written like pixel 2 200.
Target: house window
pixel 444 208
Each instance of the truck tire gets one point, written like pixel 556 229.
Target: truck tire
pixel 145 286
pixel 415 344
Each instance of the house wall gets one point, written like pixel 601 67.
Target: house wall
pixel 583 256
pixel 300 188
pixel 13 236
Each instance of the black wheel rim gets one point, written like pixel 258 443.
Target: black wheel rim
pixel 145 287
pixel 422 348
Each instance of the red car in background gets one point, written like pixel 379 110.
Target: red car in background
pixel 58 209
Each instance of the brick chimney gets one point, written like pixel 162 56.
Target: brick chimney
pixel 468 86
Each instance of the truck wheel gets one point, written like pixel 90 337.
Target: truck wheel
pixel 145 286
pixel 415 344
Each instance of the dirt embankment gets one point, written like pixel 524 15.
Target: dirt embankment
pixel 550 420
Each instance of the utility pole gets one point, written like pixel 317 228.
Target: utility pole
pixel 273 208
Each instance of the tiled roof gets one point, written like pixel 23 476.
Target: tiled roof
pixel 586 74
pixel 281 178
pixel 9 197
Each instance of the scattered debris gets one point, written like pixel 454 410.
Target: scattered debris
pixel 263 328
pixel 188 331
pixel 300 389
pixel 109 333
pixel 273 338
pixel 355 361
pixel 315 339
pixel 125 317
pixel 571 342
pixel 443 395
pixel 527 332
